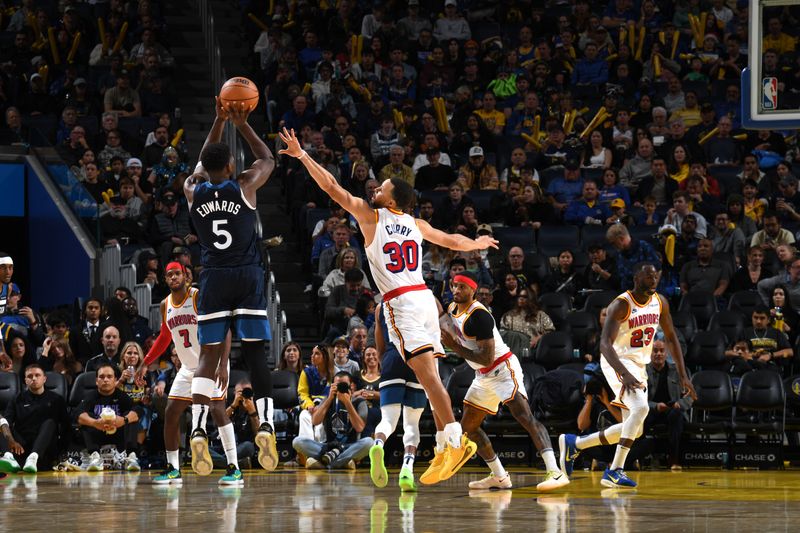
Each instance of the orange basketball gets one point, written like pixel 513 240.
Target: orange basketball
pixel 237 90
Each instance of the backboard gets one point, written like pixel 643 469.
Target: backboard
pixel 765 103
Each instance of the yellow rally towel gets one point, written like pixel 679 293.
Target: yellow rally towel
pixel 669 249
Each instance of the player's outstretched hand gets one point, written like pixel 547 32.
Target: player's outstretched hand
pixel 688 388
pixel 293 147
pixel 222 113
pixel 238 112
pixel 484 241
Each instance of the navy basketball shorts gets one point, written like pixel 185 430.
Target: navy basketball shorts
pixel 235 298
pixel 398 382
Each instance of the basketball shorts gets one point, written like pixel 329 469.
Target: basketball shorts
pixel 413 322
pixel 232 297
pixel 398 382
pixel 499 385
pixel 181 388
pixel 615 381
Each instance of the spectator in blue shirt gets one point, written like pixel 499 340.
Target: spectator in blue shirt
pixel 629 254
pixel 587 209
pixel 563 190
pixel 299 115
pixel 591 70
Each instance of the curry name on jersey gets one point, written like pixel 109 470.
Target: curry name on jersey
pixel 181 319
pixel 395 252
pixel 636 333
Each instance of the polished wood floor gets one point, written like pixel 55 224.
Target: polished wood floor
pixel 301 501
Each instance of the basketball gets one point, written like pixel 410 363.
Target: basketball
pixel 237 90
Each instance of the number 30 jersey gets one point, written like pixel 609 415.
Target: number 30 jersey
pixel 181 319
pixel 226 225
pixel 634 340
pixel 395 253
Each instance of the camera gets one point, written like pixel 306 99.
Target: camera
pixel 595 381
pixel 247 393
pixel 333 451
pixel 342 387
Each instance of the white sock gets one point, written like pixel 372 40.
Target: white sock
pixel 228 439
pixel 440 441
pixel 619 457
pixel 379 442
pixel 611 434
pixel 265 411
pixel 452 433
pixel 199 415
pixel 174 458
pixel 408 461
pixel 497 467
pixel 550 463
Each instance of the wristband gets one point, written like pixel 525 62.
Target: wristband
pixel 125 418
pixel 302 155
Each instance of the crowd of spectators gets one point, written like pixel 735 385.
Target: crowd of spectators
pixel 487 109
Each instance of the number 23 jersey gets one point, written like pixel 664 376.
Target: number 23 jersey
pixel 395 252
pixel 225 224
pixel 634 340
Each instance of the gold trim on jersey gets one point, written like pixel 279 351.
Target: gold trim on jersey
pixel 650 299
pixel 396 331
pixel 395 211
pixel 479 408
pixel 188 295
pixel 622 297
pixel 514 379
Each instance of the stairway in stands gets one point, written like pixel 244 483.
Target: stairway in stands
pixel 286 262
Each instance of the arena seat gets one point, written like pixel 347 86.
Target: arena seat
pixel 284 396
pixel 583 325
pixel 532 370
pixel 9 388
pixel 525 238
pixel 554 349
pixel 707 350
pixel 685 323
pixel 557 305
pixel 729 322
pixel 517 342
pixel 711 412
pixel 592 235
pixel 760 408
pixel 701 304
pixel 57 383
pixel 315 215
pixel 457 387
pixel 482 201
pixel 553 239
pixel 596 301
pixel 593 174
pixel 745 302
pixel 580 260
pixel 540 264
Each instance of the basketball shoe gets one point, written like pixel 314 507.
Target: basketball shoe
pixel 617 479
pixel 267 448
pixel 169 476
pixel 406 480
pixel 31 464
pixel 431 475
pixel 201 458
pixel 455 458
pixel 377 470
pixel 8 464
pixel 491 482
pixel 567 452
pixel 552 481
pixel 232 477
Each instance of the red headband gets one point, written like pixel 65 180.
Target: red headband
pixel 174 265
pixel 466 281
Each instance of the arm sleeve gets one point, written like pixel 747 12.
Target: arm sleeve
pixel 303 392
pixel 161 344
pixel 479 325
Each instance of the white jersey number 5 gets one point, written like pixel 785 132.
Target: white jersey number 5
pixel 226 236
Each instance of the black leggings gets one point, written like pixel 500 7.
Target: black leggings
pixel 42 442
pixel 124 439
pixel 255 358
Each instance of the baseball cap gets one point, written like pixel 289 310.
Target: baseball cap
pixel 789 180
pixel 79 81
pixel 181 250
pixel 413 3
pixel 617 203
pixel 341 341
pixel 134 162
pixel 476 151
pixel 484 229
pixel 706 107
pixel 572 164
pixel 667 228
pixel 450 2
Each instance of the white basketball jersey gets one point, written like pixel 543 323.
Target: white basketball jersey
pixel 500 348
pixel 181 320
pixel 634 340
pixel 395 253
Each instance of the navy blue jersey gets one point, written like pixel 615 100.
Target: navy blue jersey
pixel 225 224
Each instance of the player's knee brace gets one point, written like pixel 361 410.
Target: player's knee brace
pixel 636 401
pixel 411 434
pixel 390 416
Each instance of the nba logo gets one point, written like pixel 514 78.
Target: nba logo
pixel 770 95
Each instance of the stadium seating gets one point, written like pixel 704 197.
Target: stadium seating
pixel 57 383
pixel 557 305
pixel 745 302
pixel 711 412
pixel 583 325
pixel 729 322
pixel 701 304
pixel 707 350
pixel 596 301
pixel 9 387
pixel 522 237
pixel 554 349
pixel 553 239
pixel 284 396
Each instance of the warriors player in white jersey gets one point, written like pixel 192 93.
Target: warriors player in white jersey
pixel 626 344
pixel 393 241
pixel 498 379
pixel 179 326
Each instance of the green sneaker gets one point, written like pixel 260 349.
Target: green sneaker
pixel 8 464
pixel 406 480
pixel 377 470
pixel 232 477
pixel 170 476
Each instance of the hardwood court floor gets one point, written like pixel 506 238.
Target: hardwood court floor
pixel 301 501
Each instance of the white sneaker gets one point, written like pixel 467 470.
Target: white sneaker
pixel 95 463
pixel 492 482
pixel 555 479
pixel 30 463
pixel 8 464
pixel 314 464
pixel 351 465
pixel 132 463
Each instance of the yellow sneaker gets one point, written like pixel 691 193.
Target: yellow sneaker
pixel 431 475
pixel 457 457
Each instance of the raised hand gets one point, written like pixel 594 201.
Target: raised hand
pixel 238 113
pixel 484 241
pixel 222 113
pixel 293 147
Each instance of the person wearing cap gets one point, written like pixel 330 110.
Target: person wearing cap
pixel 477 173
pixel 122 98
pixel 142 188
pixel 601 272
pixel 564 190
pixel 707 122
pixel 410 25
pixel 452 25
pixel 341 362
